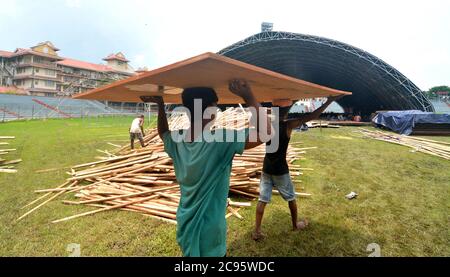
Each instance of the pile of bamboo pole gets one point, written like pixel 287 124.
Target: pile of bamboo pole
pixel 7 166
pixel 143 180
pixel 427 146
pixel 321 124
pixel 231 118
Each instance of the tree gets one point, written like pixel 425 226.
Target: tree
pixel 432 91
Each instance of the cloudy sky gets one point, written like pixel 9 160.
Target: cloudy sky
pixel 413 36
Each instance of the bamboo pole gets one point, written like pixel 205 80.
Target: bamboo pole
pixel 43 203
pixel 125 195
pixel 137 175
pixel 105 209
pixel 8 170
pixel 426 146
pixel 57 189
pixel 45 195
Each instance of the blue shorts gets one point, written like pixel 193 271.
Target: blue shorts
pixel 282 183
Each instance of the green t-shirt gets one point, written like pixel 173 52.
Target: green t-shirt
pixel 203 171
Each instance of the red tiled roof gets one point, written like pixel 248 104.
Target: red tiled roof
pixel 90 66
pixel 119 56
pixel 66 61
pixel 84 65
pixel 6 54
pixel 442 92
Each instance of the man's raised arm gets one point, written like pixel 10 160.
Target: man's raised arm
pixel 242 89
pixel 294 123
pixel 163 125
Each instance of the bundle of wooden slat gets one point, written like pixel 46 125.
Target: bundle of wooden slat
pixel 346 123
pixel 231 118
pixel 143 180
pixel 427 146
pixel 321 124
pixel 7 166
pixel 431 129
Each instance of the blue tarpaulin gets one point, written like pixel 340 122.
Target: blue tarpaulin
pixel 403 122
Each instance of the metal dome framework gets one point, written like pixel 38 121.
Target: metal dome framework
pixel 375 84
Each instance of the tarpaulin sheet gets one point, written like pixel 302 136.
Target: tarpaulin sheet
pixel 403 122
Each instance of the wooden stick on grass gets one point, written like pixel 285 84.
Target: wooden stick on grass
pixel 106 209
pixel 8 170
pixel 45 195
pixel 43 203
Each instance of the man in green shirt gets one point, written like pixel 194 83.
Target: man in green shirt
pixel 202 161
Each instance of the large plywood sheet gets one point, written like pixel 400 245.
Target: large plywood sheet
pixel 208 70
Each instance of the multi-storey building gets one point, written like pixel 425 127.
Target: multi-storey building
pixel 41 71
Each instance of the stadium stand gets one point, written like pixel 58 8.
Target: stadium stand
pixel 309 106
pixel 13 107
pixel 440 106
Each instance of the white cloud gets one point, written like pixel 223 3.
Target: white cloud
pixel 9 9
pixel 73 3
pixel 410 35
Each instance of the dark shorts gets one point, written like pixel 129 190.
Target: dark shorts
pixel 136 136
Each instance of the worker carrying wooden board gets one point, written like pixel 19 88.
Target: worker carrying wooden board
pixel 203 158
pixel 202 161
pixel 275 173
pixel 213 71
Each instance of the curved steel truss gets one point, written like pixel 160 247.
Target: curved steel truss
pixel 375 84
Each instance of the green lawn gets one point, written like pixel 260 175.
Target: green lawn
pixel 403 203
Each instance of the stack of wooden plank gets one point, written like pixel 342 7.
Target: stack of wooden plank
pixel 347 123
pixel 143 180
pixel 432 147
pixel 321 124
pixel 431 129
pixel 7 166
pixel 231 118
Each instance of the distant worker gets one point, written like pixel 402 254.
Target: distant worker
pixel 137 131
pixel 357 118
pixel 275 173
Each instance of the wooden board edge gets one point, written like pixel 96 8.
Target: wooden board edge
pixel 202 57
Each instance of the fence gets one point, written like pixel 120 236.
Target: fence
pixel 17 107
pixel 14 107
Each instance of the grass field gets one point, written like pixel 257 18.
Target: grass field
pixel 403 203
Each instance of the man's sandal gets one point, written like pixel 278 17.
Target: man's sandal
pixel 301 225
